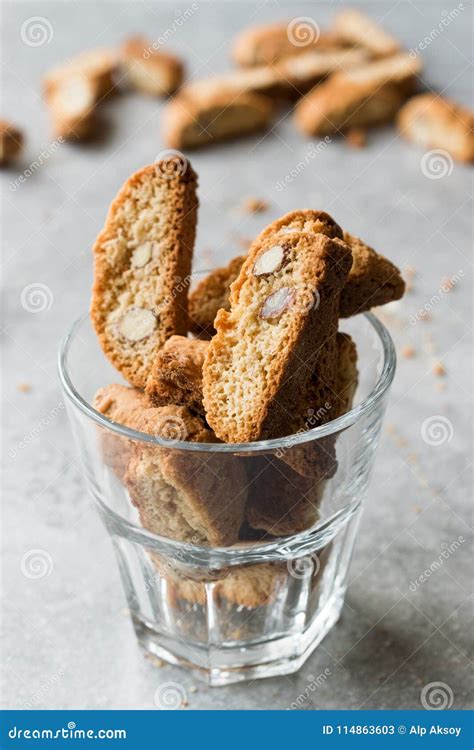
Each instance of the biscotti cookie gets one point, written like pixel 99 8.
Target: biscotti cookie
pixel 142 265
pixel 267 43
pixel 401 71
pixel 184 495
pixel 340 104
pixel 150 70
pixel 354 27
pixel 99 66
pixel 195 121
pixel 436 123
pixel 210 295
pixel 125 406
pixel 176 374
pixel 266 347
pixel 281 501
pixel 373 280
pixel 71 103
pixel 11 142
pixel 285 80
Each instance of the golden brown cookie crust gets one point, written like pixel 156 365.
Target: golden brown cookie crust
pixel 354 27
pixel 142 266
pixel 210 294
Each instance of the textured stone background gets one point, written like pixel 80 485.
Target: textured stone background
pixel 68 642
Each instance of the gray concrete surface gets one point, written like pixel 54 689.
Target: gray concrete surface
pixel 67 640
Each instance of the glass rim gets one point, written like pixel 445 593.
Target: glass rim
pixel 333 426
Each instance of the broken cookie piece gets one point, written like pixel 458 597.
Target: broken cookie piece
pixel 99 66
pixel 182 494
pixel 435 123
pixel 142 266
pixel 211 294
pixel 152 71
pixel 176 374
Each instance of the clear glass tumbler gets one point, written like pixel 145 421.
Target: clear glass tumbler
pixel 261 606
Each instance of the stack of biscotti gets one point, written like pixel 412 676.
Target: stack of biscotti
pixel 253 353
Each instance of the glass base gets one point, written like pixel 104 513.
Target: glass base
pixel 218 665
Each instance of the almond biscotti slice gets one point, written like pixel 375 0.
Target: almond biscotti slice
pixel 192 121
pixel 150 70
pixel 176 374
pixel 265 349
pixel 125 406
pixel 71 104
pixel 347 373
pixel 266 43
pixel 304 72
pixel 436 123
pixel 373 280
pixel 184 495
pixel 401 71
pixel 210 295
pixel 339 104
pixel 142 265
pixel 354 27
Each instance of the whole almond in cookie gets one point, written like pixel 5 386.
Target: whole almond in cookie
pixel 142 265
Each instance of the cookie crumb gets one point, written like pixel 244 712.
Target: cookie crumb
pixel 155 660
pixel 255 206
pixel 356 138
pixel 440 386
pixel 408 352
pixel 24 387
pixel 193 689
pixel 439 369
